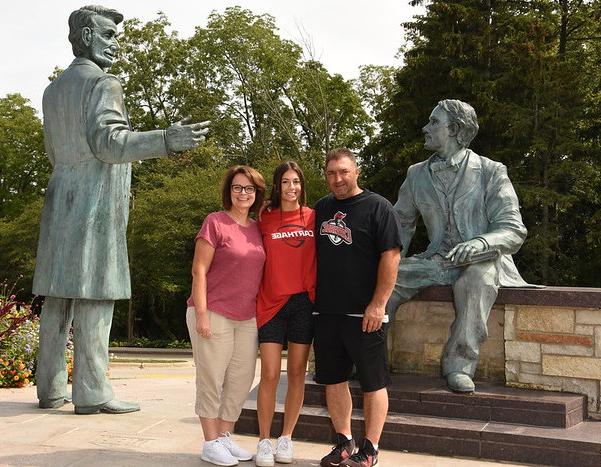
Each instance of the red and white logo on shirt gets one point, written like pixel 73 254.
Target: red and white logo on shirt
pixel 336 230
pixel 293 238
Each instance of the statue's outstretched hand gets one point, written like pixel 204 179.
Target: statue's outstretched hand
pixel 463 251
pixel 182 135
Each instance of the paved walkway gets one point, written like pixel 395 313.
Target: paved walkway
pixel 165 433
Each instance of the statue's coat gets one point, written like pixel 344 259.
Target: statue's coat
pixel 82 250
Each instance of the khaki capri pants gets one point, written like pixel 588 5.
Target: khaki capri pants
pixel 225 365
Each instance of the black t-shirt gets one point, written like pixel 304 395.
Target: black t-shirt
pixel 351 234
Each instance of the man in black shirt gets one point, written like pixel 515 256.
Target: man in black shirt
pixel 358 251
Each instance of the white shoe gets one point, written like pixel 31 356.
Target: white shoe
pixel 264 457
pixel 217 453
pixel 234 449
pixel 283 450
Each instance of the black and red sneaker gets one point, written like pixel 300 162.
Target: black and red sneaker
pixel 343 450
pixel 366 456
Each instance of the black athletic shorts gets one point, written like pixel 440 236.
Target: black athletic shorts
pixel 340 342
pixel 293 323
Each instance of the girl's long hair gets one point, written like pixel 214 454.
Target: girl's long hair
pixel 275 196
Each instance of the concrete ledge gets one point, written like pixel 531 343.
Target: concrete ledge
pixel 578 297
pixel 150 351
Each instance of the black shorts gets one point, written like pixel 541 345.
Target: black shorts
pixel 340 342
pixel 293 323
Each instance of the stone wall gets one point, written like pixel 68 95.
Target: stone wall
pixel 554 348
pixel 546 338
pixel 420 330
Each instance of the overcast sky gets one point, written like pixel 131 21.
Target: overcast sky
pixel 345 33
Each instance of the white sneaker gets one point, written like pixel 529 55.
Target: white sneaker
pixel 217 453
pixel 283 450
pixel 234 449
pixel 264 456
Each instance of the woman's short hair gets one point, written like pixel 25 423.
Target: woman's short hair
pixel 278 173
pixel 255 178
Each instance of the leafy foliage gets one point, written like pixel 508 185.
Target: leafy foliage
pixel 144 342
pixel 18 243
pixel 24 168
pixel 260 94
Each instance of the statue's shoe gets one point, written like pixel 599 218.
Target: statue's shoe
pixel 54 403
pixel 112 407
pixel 460 382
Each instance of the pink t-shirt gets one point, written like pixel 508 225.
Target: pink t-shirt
pixel 235 274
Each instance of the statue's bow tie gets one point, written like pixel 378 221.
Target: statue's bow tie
pixel 443 165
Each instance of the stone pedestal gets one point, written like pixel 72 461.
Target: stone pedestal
pixel 421 329
pixel 546 338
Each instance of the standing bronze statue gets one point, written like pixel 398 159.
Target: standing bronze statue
pixel 471 212
pixel 81 265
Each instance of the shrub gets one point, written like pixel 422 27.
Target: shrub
pixel 144 342
pixel 19 341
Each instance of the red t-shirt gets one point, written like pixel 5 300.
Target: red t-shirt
pixel 235 273
pixel 290 266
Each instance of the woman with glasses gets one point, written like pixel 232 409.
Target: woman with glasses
pixel 226 273
pixel 285 306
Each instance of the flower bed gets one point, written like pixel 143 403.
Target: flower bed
pixel 19 341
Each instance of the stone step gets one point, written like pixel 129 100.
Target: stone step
pixel 420 395
pixel 578 446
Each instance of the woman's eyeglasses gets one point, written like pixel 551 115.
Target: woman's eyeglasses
pixel 248 189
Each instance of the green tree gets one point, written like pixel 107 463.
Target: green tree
pixel 149 62
pixel 263 99
pixel 24 168
pixel 328 111
pixel 166 213
pixel 18 244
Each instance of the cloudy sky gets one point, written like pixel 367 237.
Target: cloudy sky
pixel 344 34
